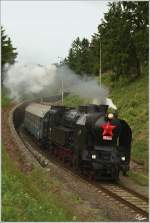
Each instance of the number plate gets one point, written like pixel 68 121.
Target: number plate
pixel 107 138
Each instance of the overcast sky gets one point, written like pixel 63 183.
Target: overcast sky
pixel 42 31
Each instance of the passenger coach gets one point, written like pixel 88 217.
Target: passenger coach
pixel 36 120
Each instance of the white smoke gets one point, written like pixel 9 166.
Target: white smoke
pixel 29 81
pixel 110 103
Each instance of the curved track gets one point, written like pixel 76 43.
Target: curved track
pixel 136 203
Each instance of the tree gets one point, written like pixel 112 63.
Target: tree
pixel 85 60
pixel 9 53
pixel 137 14
pixel 78 57
pixel 74 57
pixel 123 34
pixel 95 54
pixel 115 38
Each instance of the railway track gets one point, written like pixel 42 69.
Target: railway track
pixel 125 197
pixel 134 201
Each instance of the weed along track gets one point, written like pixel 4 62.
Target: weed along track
pixel 133 204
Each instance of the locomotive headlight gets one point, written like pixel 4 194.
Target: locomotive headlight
pixel 123 158
pixel 110 115
pixel 93 156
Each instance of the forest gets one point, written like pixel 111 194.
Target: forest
pixel 122 37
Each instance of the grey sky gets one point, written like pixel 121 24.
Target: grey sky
pixel 42 31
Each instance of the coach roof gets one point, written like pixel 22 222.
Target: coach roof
pixel 39 110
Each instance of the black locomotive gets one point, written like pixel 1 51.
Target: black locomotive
pixel 90 138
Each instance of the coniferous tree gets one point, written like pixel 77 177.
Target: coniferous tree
pixel 123 35
pixel 8 52
pixel 75 56
pixel 137 15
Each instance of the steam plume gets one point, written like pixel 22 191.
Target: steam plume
pixel 29 81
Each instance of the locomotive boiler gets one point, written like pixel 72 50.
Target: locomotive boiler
pixel 89 137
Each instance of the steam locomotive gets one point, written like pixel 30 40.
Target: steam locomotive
pixel 92 139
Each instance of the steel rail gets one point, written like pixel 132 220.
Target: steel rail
pixel 107 189
pixel 142 200
pixel 132 200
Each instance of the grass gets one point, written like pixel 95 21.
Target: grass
pixel 5 101
pixel 74 101
pixel 131 99
pixel 139 177
pixel 30 197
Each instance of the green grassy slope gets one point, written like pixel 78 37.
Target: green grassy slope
pixel 29 197
pixel 131 99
